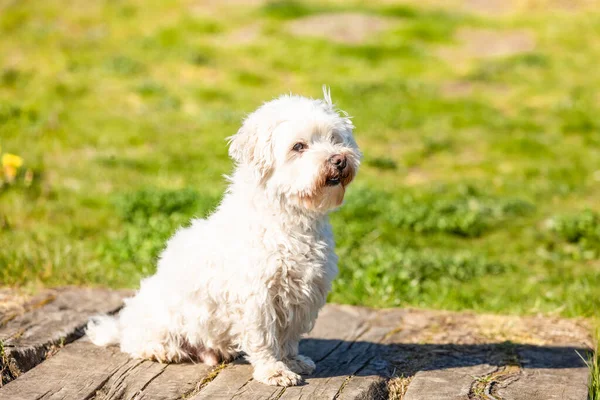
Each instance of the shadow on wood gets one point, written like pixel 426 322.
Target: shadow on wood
pixel 359 353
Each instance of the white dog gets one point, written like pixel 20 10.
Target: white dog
pixel 253 276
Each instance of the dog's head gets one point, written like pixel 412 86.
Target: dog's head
pixel 301 149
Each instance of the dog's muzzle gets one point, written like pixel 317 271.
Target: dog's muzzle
pixel 337 170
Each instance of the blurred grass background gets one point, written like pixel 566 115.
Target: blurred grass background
pixel 478 120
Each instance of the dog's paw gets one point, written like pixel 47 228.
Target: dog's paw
pixel 277 374
pixel 209 357
pixel 301 364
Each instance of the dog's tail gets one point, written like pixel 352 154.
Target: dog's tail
pixel 103 330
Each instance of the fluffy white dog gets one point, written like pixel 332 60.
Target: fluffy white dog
pixel 253 276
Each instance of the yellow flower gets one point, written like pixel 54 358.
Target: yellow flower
pixel 11 160
pixel 10 173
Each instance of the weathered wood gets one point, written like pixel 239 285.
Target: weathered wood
pixel 464 358
pixel 352 344
pixel 440 355
pixel 176 381
pixel 327 330
pixel 227 383
pixel 77 372
pixel 33 330
pixel 84 371
pixel 129 380
pixel 254 390
pixel 446 383
pixel 369 383
pixel 548 373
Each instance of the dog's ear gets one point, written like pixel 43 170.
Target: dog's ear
pixel 251 146
pixel 347 125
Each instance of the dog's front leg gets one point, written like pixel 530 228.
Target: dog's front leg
pixel 297 362
pixel 260 343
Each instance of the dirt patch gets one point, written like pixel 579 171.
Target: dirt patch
pixel 424 326
pixel 430 4
pixel 461 88
pixel 486 43
pixel 416 176
pixel 557 5
pixel 227 3
pixel 489 7
pixel 244 35
pixel 348 28
pixel 533 330
pixel 456 89
pixel 215 8
pixel 500 8
pixel 237 2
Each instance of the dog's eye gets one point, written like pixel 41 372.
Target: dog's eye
pixel 299 146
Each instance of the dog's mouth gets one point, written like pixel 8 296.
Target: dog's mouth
pixel 335 176
pixel 334 181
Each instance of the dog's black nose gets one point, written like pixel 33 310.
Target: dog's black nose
pixel 338 160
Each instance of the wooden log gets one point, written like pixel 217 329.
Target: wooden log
pixel 552 373
pixel 229 382
pixel 352 357
pixel 36 329
pixel 436 354
pixel 446 383
pixel 84 371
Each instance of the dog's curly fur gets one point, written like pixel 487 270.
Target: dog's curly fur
pixel 253 276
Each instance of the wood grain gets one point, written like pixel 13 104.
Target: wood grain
pixel 55 317
pixel 440 355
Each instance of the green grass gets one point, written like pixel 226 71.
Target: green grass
pixel 593 363
pixel 482 200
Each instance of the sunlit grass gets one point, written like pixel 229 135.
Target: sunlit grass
pixel 593 363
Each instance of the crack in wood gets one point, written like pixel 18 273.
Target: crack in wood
pixel 356 350
pixel 341 389
pixel 43 395
pixel 96 391
pixel 8 367
pixel 379 386
pixel 392 332
pixel 15 361
pixel 46 324
pixel 509 375
pixel 102 391
pixel 479 387
pixel 149 382
pixel 119 377
pixel 241 390
pixel 281 392
pixel 484 387
pixel 341 342
pixel 206 380
pixel 329 352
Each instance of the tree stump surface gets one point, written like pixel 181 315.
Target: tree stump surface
pixel 361 353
